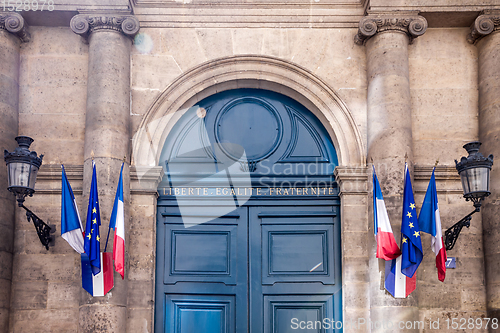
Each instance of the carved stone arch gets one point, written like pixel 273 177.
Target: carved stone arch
pixel 248 71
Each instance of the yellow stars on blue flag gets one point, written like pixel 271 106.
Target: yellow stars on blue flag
pixel 411 245
pixel 92 238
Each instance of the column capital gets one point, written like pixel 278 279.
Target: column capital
pixel 484 25
pixel 84 24
pixel 15 24
pixel 412 25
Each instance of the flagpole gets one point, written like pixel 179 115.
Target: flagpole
pixel 107 238
pixel 109 229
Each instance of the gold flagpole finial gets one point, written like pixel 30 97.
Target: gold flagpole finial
pixel 92 154
pixel 124 159
pixel 406 158
pixel 371 159
pixel 437 162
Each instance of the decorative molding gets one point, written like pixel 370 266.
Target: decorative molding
pixel 297 121
pixel 413 26
pixel 352 180
pixel 249 71
pixel 267 148
pixel 484 25
pixel 447 179
pixel 15 24
pixel 48 180
pixel 145 180
pixel 324 14
pixel 443 172
pixel 49 172
pixel 268 3
pixel 84 25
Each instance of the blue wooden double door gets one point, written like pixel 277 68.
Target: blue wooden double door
pixel 261 268
pixel 248 229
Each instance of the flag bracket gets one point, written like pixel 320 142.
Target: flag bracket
pixel 451 235
pixel 43 230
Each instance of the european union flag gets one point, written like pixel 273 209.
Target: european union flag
pixel 92 239
pixel 411 245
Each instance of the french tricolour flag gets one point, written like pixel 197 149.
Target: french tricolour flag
pixel 117 222
pixel 430 222
pixel 387 248
pixel 398 284
pixel 101 283
pixel 71 224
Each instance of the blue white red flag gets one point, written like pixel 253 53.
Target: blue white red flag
pixel 398 284
pixel 101 283
pixel 71 224
pixel 92 238
pixel 411 244
pixel 117 222
pixel 429 221
pixel 387 248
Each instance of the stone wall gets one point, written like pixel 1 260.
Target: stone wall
pixel 53 94
pixel 53 78
pixel 443 79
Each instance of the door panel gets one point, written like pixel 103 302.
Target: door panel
pixel 202 253
pixel 295 267
pixel 254 270
pixel 297 253
pixel 200 313
pixel 202 271
pixel 287 314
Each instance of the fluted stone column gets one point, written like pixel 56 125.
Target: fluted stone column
pixel 485 33
pixel 107 137
pixel 13 31
pixel 389 138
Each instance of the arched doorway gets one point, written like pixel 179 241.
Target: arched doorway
pixel 248 233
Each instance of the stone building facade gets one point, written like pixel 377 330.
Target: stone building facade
pixel 384 78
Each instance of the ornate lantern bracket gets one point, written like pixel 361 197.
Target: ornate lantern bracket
pixel 474 171
pixel 22 169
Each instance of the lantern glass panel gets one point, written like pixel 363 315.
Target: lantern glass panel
pixel 19 174
pixel 475 181
pixel 33 173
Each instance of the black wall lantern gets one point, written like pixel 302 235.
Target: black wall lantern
pixel 474 171
pixel 22 169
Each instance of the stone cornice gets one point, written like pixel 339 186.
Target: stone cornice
pixel 442 172
pixel 84 24
pixel 15 24
pixel 412 25
pixel 282 14
pixel 484 25
pixel 352 180
pixel 145 180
